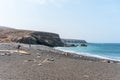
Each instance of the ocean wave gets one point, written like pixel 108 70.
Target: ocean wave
pixel 89 54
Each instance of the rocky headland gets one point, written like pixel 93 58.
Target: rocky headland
pixel 29 37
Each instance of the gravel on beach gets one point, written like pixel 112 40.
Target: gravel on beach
pixel 45 63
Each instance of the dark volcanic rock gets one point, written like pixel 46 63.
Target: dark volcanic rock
pixel 43 38
pixel 29 37
pixel 70 45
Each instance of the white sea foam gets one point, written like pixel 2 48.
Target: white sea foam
pixel 89 54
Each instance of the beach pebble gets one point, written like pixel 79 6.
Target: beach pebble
pixel 8 54
pixel 86 76
pixel 110 61
pixel 66 54
pixel 2 54
pixel 104 61
pixel 30 60
pixel 80 56
pixel 38 56
pixel 107 61
pixel 50 59
pixel 39 64
pixel 11 52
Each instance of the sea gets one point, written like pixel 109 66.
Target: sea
pixel 109 51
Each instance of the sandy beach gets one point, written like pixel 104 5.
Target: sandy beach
pixel 45 63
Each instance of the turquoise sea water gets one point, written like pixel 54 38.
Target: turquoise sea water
pixel 104 51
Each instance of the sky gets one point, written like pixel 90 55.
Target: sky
pixel 90 20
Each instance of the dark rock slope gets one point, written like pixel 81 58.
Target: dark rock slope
pixel 29 37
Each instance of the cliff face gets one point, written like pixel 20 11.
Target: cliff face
pixel 43 38
pixel 30 37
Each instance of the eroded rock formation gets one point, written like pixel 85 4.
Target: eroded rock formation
pixel 29 37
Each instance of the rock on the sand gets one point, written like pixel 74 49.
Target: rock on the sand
pixel 2 54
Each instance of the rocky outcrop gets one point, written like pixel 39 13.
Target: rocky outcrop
pixel 43 38
pixel 29 37
pixel 73 41
pixel 70 45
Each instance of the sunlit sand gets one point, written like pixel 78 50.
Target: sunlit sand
pixel 15 51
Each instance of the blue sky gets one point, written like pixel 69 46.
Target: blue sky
pixel 92 20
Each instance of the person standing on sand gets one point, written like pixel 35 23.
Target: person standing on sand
pixel 18 47
pixel 29 45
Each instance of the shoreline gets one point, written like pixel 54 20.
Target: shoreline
pixel 63 52
pixel 46 63
pixel 89 57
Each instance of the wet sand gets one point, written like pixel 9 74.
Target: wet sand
pixel 44 63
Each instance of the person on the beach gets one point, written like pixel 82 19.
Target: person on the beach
pixel 18 47
pixel 29 45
